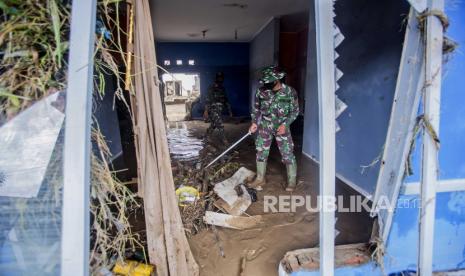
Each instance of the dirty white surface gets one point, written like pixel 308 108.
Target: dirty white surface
pixel 340 107
pixel 233 222
pixel 26 145
pixel 225 190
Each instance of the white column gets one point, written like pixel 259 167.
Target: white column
pixel 77 147
pixel 326 98
pixel 430 166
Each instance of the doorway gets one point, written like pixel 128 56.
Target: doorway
pixel 180 92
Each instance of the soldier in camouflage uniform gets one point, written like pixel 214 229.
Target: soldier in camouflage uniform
pixel 275 108
pixel 216 101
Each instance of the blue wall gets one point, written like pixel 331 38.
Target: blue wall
pixel 369 58
pixel 231 58
pixel 452 124
pixel 449 232
pixel 402 247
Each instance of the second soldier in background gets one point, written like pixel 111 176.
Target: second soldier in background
pixel 214 106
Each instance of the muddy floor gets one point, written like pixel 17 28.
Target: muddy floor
pixel 258 251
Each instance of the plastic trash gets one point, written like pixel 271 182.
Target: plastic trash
pixel 187 195
pixel 133 268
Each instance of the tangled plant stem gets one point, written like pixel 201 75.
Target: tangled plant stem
pixel 34 40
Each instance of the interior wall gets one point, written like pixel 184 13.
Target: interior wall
pixel 264 51
pixel 106 115
pixel 115 124
pixel 369 58
pixel 230 58
pixel 293 51
pixel 310 146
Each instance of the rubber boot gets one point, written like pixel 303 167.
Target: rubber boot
pixel 260 178
pixel 291 177
pixel 223 137
pixel 208 133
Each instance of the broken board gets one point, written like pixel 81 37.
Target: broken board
pixel 259 221
pixel 234 204
pixel 309 258
pixel 230 221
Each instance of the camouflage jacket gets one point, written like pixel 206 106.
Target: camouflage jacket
pixel 216 96
pixel 280 107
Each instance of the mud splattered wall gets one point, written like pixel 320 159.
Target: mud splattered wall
pixel 369 58
pixel 230 58
pixel 449 238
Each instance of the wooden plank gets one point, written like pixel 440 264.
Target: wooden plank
pixel 168 246
pixel 130 86
pixel 148 174
pixel 176 265
pixel 129 49
pixel 230 221
pixel 308 259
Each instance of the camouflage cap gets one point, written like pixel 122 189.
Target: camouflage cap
pixel 271 74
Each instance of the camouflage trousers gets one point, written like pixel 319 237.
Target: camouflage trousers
pixel 214 116
pixel 266 132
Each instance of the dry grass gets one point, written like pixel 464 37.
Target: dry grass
pixel 33 42
pixel 192 216
pixel 34 39
pixel 111 202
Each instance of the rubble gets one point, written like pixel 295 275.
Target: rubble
pixel 192 174
pixel 227 190
pixel 309 258
pixel 233 222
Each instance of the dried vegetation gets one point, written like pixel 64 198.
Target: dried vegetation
pixel 34 42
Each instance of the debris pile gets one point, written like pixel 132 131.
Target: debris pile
pixel 220 187
pixel 192 215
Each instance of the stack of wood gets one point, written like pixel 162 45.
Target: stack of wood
pixel 168 248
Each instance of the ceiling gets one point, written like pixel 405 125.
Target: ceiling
pixel 184 20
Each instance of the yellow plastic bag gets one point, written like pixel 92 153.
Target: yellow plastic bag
pixel 186 195
pixel 133 268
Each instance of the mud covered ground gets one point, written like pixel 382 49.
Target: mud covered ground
pixel 258 251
